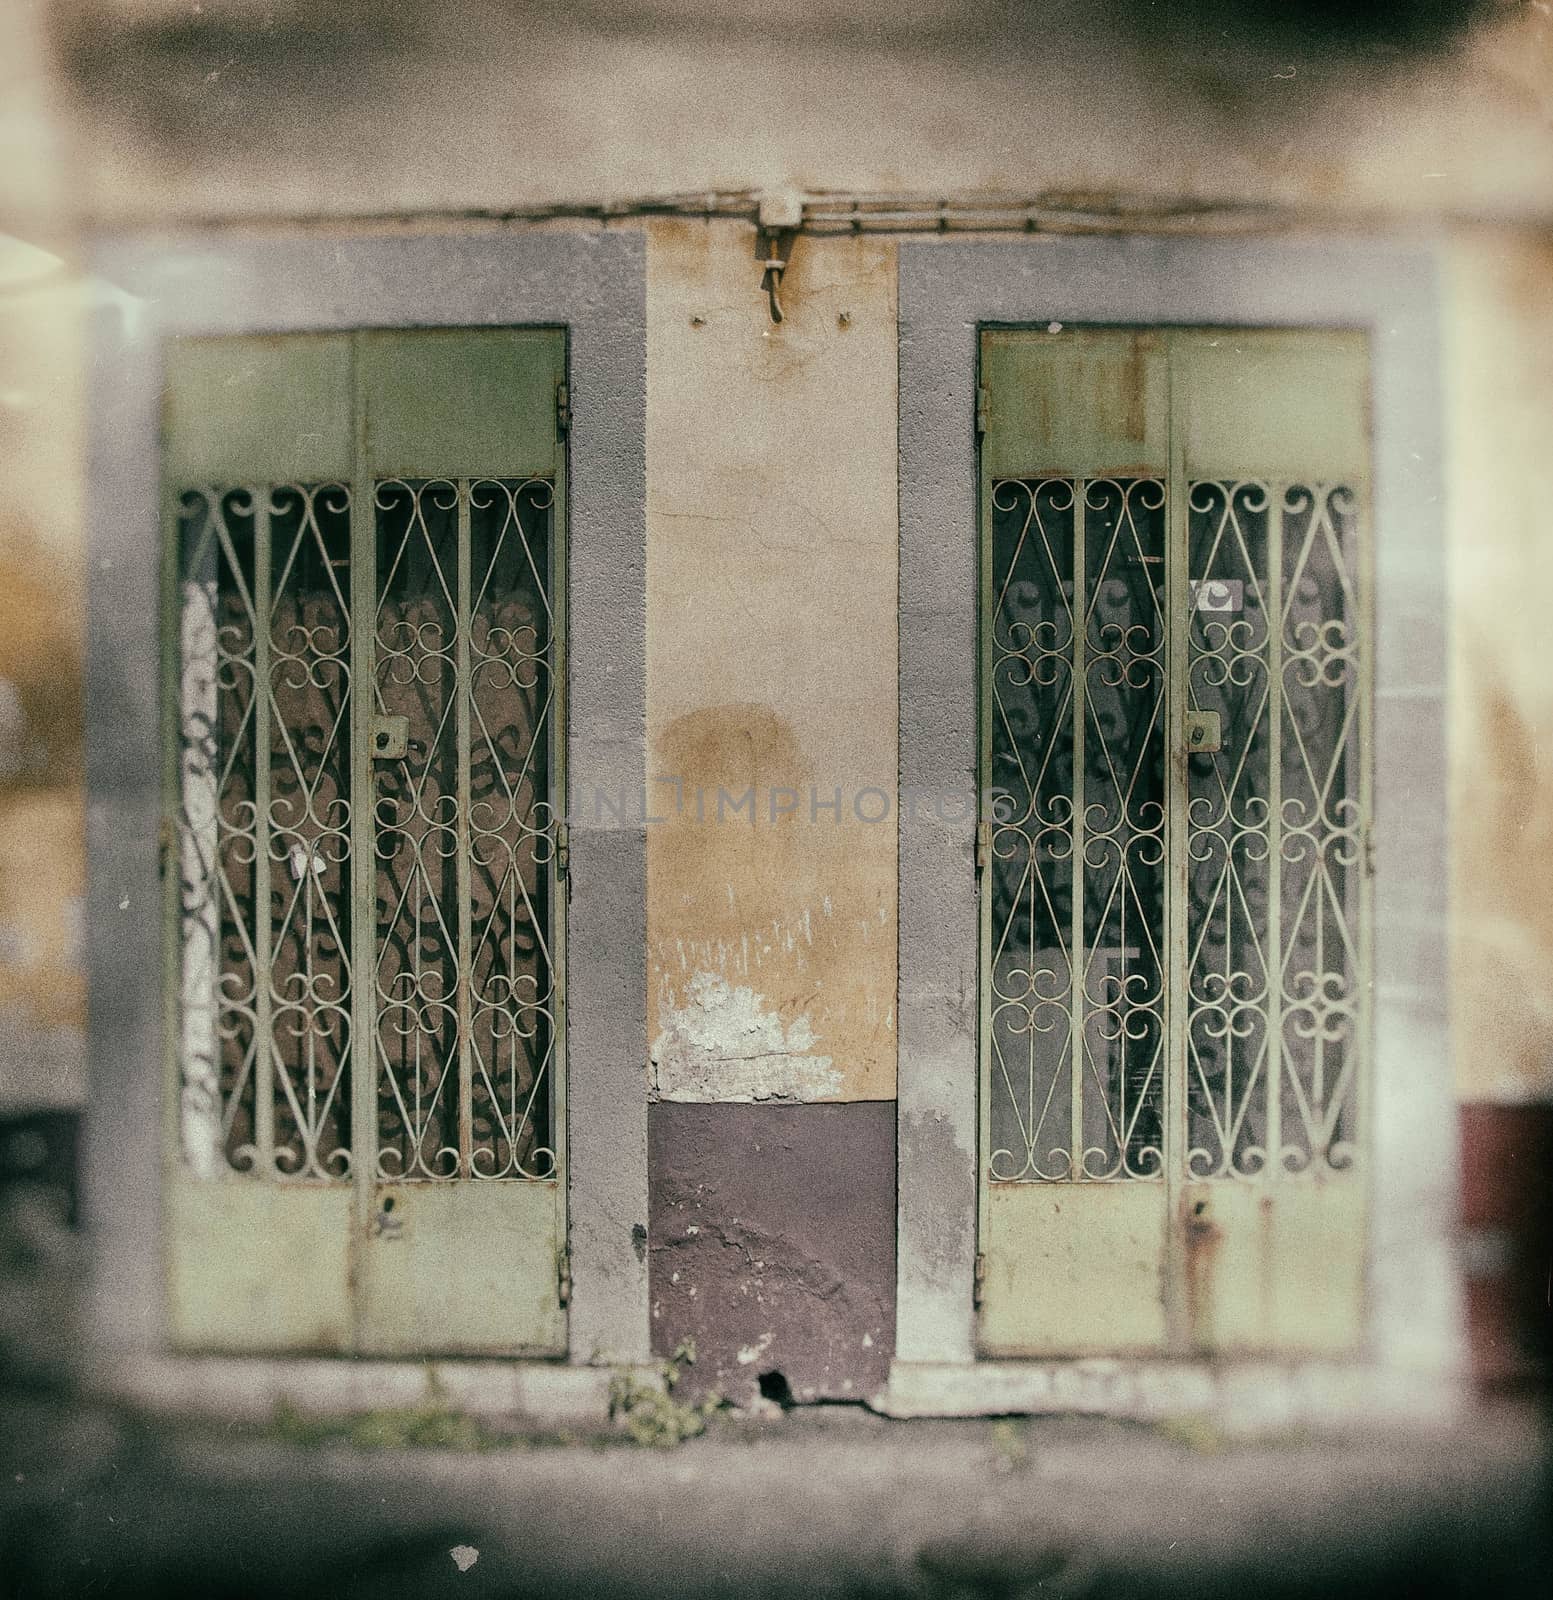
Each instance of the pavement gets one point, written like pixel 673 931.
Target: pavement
pixel 824 1502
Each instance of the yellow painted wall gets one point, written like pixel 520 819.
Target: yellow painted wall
pixel 42 990
pixel 1499 483
pixel 771 597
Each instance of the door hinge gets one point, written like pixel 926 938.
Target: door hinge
pixel 563 410
pixel 983 409
pixel 983 844
pixel 563 849
pixel 1369 851
pixel 563 1276
pixel 978 1294
pixel 164 846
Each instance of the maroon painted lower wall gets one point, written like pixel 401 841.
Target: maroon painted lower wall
pixel 1507 1238
pixel 772 1238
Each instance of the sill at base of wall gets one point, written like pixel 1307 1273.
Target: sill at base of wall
pixel 524 1396
pixel 1243 1396
pixel 1238 1397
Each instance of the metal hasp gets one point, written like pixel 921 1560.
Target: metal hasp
pixel 1204 733
pixel 390 738
pixel 364 603
pixel 1176 725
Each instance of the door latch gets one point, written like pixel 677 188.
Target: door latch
pixel 390 738
pixel 1204 733
pixel 384 1224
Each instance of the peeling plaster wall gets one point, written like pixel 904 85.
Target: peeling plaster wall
pixel 722 1045
pixel 773 1245
pixel 770 669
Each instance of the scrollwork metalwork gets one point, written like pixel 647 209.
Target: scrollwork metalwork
pixel 463 991
pixel 264 707
pixel 1270 830
pixel 1077 847
pixel 1273 832
pixel 465 830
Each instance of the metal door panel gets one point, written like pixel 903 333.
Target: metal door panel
pixel 464 1007
pixel 461 402
pixel 1095 399
pixel 1175 737
pixel 1074 1269
pixel 1259 404
pixel 1274 1267
pixel 273 407
pixel 365 940
pixel 468 1267
pixel 261 1265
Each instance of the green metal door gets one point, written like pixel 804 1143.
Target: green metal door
pixel 1175 749
pixel 364 713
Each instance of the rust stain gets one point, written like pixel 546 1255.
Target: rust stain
pixel 1203 1238
pixel 1268 1280
pixel 1134 389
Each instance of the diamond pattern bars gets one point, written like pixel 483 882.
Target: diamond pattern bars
pixel 1271 828
pixel 465 1003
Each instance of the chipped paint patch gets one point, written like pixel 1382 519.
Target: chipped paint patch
pixel 723 1044
pixel 751 1353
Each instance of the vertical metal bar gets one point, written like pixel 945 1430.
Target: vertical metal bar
pixel 264 1040
pixel 363 633
pixel 1177 691
pixel 1076 926
pixel 198 870
pixel 1364 686
pixel 171 842
pixel 1273 1074
pixel 987 622
pixel 462 689
pixel 560 880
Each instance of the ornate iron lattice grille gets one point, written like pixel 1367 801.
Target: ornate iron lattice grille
pixel 461 1002
pixel 1273 828
pixel 1090 828
pixel 463 828
pixel 1078 695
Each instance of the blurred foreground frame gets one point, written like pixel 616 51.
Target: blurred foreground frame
pixel 1196 390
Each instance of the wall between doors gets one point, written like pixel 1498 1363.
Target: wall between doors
pixel 771 669
pixel 771 924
